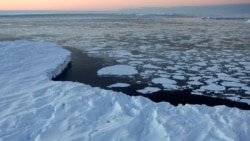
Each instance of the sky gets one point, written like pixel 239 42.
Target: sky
pixel 98 5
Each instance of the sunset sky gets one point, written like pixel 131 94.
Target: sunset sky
pixel 103 4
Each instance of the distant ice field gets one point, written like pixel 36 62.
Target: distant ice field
pixel 209 57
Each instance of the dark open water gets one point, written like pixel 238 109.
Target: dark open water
pixel 84 69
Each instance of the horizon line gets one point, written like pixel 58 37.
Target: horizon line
pixel 117 10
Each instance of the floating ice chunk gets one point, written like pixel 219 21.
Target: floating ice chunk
pixel 233 98
pixel 147 73
pixel 135 62
pixel 214 69
pixel 196 93
pixel 244 63
pixel 149 90
pixel 118 70
pixel 166 83
pixel 246 88
pixel 195 78
pixel 234 89
pixel 156 60
pixel 121 85
pixel 119 53
pixel 150 66
pixel 212 80
pixel 195 82
pixel 143 48
pixel 163 80
pixel 248 21
pixel 161 72
pixel 195 68
pixel 201 63
pixel 164 75
pixel 172 68
pixel 179 77
pixel 213 87
pixel 226 77
pixel 247 67
pixel 232 84
pixel 121 60
pixel 95 49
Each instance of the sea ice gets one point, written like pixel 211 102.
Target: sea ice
pixel 118 70
pixel 150 66
pixel 135 63
pixel 226 77
pixel 232 84
pixel 203 64
pixel 119 85
pixel 179 77
pixel 214 68
pixel 33 107
pixel 213 87
pixel 149 90
pixel 196 78
pixel 166 83
pixel 195 82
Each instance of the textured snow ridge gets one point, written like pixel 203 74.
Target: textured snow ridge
pixel 32 107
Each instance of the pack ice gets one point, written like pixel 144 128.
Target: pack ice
pixel 33 107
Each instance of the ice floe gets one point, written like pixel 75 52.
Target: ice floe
pixel 150 66
pixel 195 82
pixel 118 70
pixel 212 87
pixel 119 85
pixel 166 83
pixel 179 77
pixel 232 84
pixel 149 90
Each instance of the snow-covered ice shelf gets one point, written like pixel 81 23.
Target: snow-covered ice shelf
pixel 33 107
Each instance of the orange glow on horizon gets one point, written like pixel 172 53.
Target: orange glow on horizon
pixel 103 4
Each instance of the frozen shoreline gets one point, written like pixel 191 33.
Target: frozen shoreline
pixel 35 108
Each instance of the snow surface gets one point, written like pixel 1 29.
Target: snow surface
pixel 33 107
pixel 118 70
